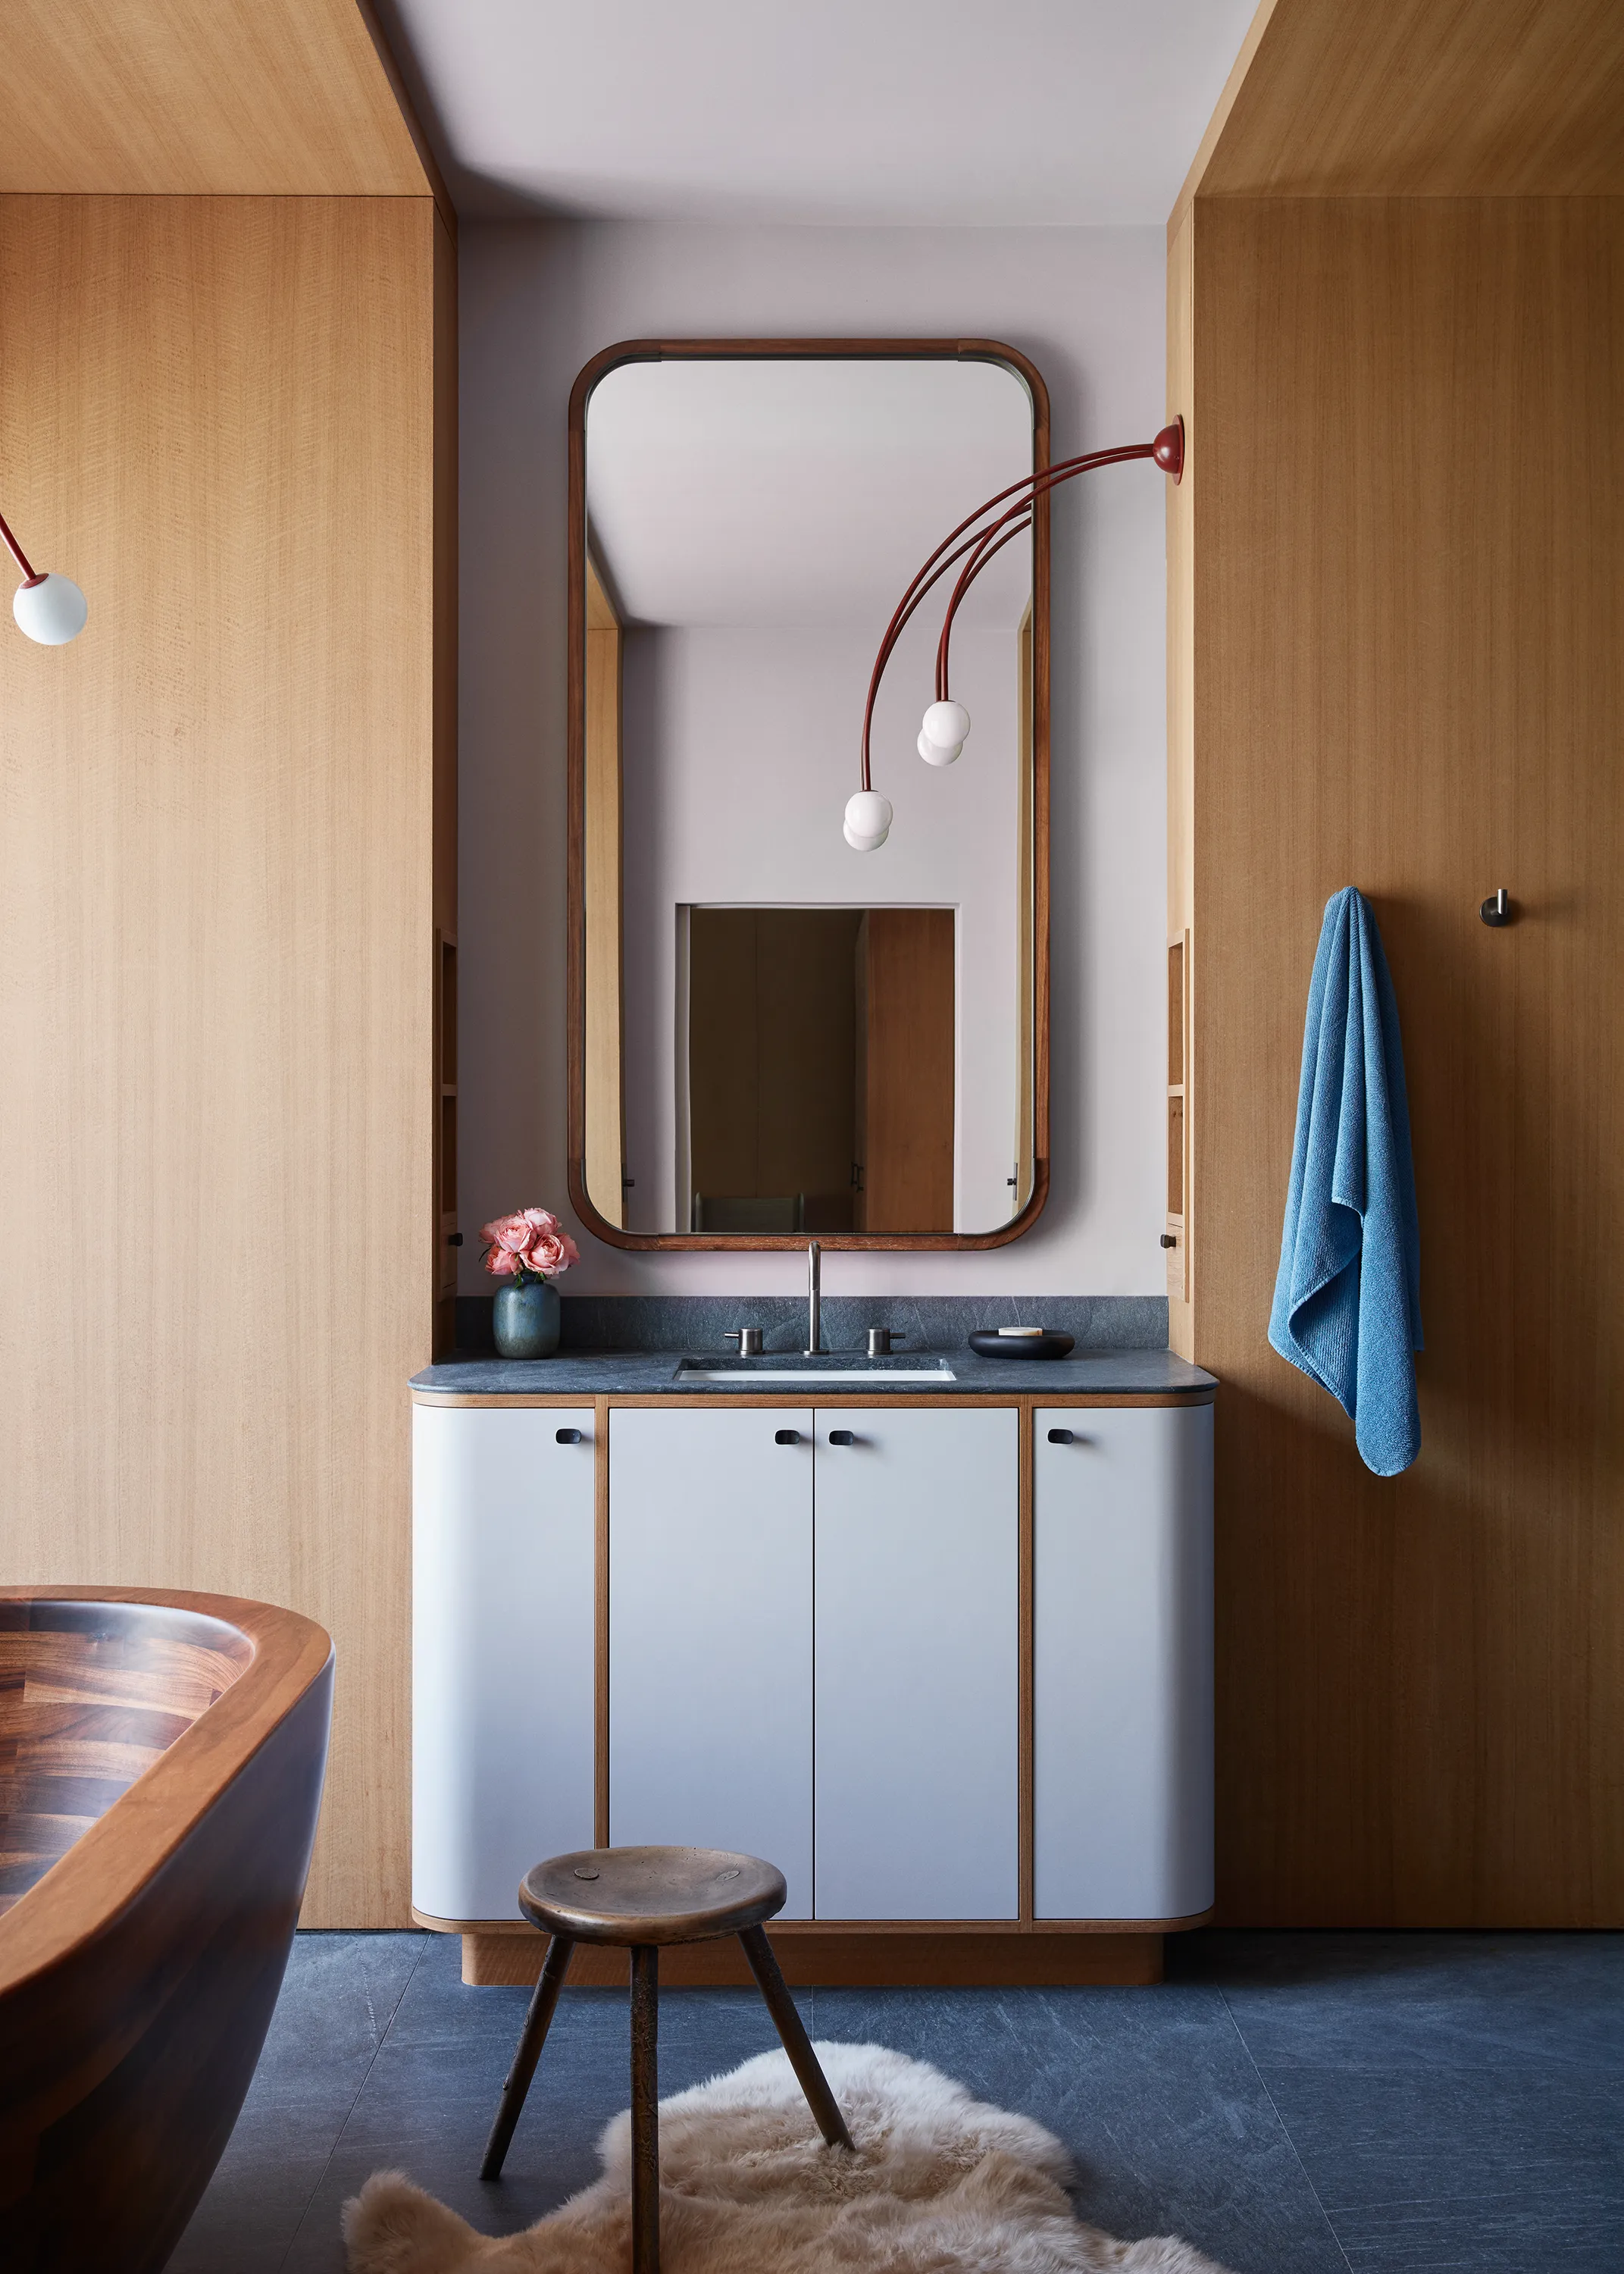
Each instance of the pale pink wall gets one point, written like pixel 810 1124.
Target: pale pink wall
pixel 759 820
pixel 1087 305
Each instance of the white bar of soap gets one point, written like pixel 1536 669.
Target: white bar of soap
pixel 1021 1330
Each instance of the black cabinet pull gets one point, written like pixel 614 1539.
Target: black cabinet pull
pixel 569 1436
pixel 842 1437
pixel 787 1436
pixel 1061 1437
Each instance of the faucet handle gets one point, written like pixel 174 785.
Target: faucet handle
pixel 749 1339
pixel 882 1341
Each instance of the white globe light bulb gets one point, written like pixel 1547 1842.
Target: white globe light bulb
pixel 52 611
pixel 934 754
pixel 946 724
pixel 868 820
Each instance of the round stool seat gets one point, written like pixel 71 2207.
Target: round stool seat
pixel 655 1895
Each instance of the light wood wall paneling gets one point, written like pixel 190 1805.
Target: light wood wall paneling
pixel 444 1087
pixel 603 824
pixel 1181 508
pixel 1409 675
pixel 1420 98
pixel 216 911
pixel 199 97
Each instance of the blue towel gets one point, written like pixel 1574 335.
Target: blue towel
pixel 1348 1298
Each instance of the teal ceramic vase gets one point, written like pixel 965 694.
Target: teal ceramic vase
pixel 528 1319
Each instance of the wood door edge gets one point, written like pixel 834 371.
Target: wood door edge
pixel 692 1400
pixel 781 1929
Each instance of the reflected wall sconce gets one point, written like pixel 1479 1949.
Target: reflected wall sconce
pixel 49 608
pixel 974 542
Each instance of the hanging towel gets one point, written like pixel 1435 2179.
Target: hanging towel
pixel 1348 1298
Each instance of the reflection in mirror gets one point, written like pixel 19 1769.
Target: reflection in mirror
pixel 783 1036
pixel 820 1069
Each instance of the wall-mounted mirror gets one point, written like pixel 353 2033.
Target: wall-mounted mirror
pixel 774 1035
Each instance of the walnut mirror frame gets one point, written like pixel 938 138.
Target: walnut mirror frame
pixel 595 894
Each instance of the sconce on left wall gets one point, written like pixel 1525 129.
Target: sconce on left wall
pixel 49 608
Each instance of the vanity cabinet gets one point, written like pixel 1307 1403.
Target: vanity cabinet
pixel 1122 1662
pixel 710 1634
pixel 946 1664
pixel 503 1673
pixel 918 1673
pixel 736 1537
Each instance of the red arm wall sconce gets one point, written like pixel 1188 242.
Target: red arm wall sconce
pixel 49 608
pixel 974 542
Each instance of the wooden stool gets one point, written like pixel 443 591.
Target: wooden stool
pixel 639 1898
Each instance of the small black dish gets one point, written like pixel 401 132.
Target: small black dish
pixel 989 1344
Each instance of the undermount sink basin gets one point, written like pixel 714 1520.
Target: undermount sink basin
pixel 737 1371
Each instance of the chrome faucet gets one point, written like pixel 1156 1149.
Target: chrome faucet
pixel 814 1332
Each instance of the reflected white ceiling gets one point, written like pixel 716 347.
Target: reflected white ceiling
pixel 1057 112
pixel 800 493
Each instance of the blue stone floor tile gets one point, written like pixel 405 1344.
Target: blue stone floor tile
pixel 1292 2104
pixel 1152 2091
pixel 1389 2001
pixel 1464 2169
pixel 339 1997
pixel 1457 2099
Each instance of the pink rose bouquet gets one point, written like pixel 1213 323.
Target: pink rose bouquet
pixel 531 1244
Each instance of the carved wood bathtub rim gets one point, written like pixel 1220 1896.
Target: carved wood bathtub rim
pixel 138 1976
pixel 108 1866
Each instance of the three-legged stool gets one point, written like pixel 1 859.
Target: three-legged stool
pixel 638 1898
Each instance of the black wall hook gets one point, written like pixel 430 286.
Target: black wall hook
pixel 1496 910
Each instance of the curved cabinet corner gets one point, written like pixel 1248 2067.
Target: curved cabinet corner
pixel 503 1560
pixel 1123 1663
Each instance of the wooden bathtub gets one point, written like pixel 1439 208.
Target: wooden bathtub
pixel 160 1764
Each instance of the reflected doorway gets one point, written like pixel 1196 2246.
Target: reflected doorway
pixel 816 1075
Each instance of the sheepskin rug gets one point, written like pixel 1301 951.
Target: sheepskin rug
pixel 939 2184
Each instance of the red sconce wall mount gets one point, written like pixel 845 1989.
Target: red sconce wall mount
pixel 974 542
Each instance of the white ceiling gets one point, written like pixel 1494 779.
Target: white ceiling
pixel 969 112
pixel 759 493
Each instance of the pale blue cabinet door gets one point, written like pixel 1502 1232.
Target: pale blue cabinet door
pixel 1123 1662
pixel 502 1672
pixel 710 1634
pixel 918 1664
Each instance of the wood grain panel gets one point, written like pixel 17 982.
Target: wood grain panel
pixel 87 1703
pixel 1421 98
pixel 920 1958
pixel 198 97
pixel 1181 529
pixel 216 926
pixel 443 1084
pixel 907 1038
pixel 1409 675
pixel 605 986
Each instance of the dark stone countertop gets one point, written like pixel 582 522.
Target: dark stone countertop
pixel 643 1372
